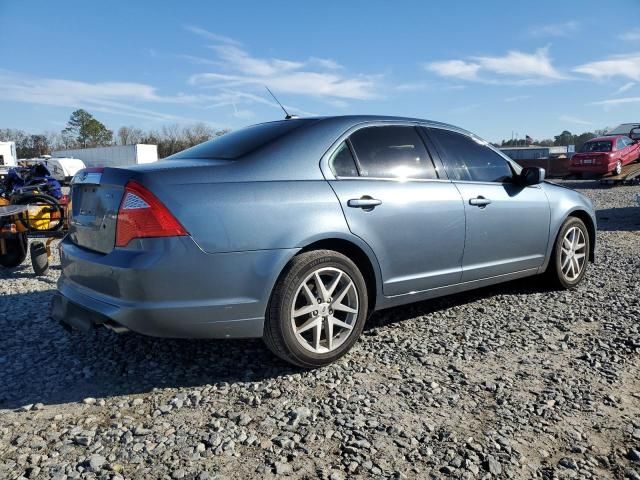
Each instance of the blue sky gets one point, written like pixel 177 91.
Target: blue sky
pixel 492 67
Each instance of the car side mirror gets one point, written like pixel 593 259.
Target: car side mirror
pixel 532 175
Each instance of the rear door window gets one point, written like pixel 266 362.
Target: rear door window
pixel 466 158
pixel 392 152
pixel 342 162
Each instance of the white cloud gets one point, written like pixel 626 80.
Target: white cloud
pixel 631 35
pixel 627 66
pixel 521 64
pixel 120 98
pixel 312 77
pixel 574 120
pixel 214 37
pixel 625 87
pixel 617 101
pixel 325 63
pixel 513 68
pixel 565 29
pixel 454 68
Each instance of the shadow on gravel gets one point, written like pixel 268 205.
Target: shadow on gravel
pixel 398 314
pixel 619 219
pixel 41 362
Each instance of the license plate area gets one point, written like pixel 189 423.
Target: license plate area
pixel 88 201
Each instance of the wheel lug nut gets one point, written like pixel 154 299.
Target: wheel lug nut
pixel 319 300
pixel 330 312
pixel 315 313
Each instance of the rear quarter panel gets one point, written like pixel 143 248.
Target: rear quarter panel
pixel 240 216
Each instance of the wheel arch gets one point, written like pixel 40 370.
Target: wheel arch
pixel 354 249
pixel 591 228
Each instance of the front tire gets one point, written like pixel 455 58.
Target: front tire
pixel 16 250
pixel 570 255
pixel 317 309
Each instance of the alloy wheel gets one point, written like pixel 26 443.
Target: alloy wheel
pixel 324 310
pixel 573 254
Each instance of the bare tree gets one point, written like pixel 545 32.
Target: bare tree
pixel 130 135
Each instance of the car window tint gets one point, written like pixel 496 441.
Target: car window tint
pixel 241 142
pixel 597 146
pixel 465 158
pixel 620 144
pixel 392 152
pixel 342 162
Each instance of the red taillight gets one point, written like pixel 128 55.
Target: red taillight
pixel 142 215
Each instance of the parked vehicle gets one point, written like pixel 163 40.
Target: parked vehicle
pixel 606 154
pixel 296 230
pixel 62 169
pixel 631 130
pixel 8 157
pixel 112 156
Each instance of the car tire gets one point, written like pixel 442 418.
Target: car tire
pixel 618 169
pixel 39 258
pixel 570 258
pixel 301 314
pixel 16 248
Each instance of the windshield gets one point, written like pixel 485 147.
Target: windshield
pixel 601 146
pixel 241 142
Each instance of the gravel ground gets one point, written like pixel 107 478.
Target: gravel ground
pixel 512 381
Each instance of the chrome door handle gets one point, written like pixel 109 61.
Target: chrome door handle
pixel 365 202
pixel 479 201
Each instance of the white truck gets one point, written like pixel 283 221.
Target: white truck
pixel 115 155
pixel 8 157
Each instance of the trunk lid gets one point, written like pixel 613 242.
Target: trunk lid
pixel 95 199
pixel 96 195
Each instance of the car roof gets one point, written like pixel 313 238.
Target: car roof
pixel 353 120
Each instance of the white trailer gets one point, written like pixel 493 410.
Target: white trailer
pixel 8 157
pixel 112 156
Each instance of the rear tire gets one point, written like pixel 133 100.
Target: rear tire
pixel 39 258
pixel 16 246
pixel 570 256
pixel 317 309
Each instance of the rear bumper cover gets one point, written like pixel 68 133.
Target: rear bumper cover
pixel 601 169
pixel 167 288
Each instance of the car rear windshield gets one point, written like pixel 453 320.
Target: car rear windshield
pixel 239 143
pixel 601 146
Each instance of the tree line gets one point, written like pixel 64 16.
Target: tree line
pixel 566 138
pixel 83 130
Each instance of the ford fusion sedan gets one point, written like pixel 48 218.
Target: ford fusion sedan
pixel 296 230
pixel 603 155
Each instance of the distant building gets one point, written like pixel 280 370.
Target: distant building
pixel 555 160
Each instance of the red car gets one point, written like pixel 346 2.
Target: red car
pixel 605 154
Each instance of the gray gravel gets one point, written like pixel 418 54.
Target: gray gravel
pixel 513 381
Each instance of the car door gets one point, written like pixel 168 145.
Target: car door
pixel 629 150
pixel 507 224
pixel 393 199
pixel 621 150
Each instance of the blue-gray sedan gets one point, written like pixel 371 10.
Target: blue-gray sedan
pixel 296 230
